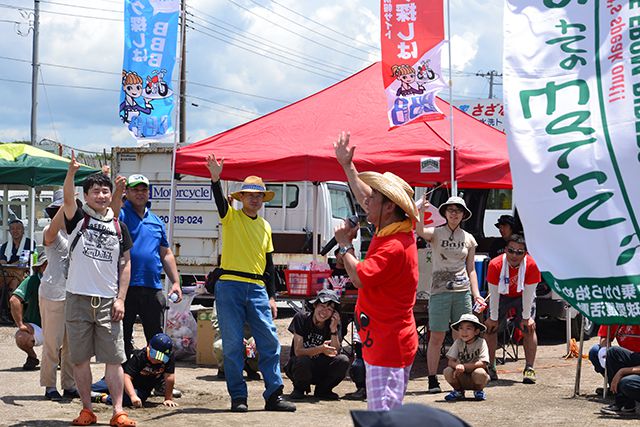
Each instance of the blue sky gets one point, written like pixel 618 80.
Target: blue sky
pixel 236 61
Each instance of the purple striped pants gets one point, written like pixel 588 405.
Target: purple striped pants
pixel 386 387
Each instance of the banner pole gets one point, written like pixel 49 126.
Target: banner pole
pixel 172 201
pixel 454 183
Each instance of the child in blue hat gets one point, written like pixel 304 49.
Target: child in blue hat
pixel 142 373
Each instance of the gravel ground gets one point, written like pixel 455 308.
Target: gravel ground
pixel 550 402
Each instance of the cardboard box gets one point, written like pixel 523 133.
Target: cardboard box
pixel 204 347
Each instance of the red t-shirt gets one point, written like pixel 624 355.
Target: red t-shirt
pixel 384 310
pixel 531 275
pixel 621 332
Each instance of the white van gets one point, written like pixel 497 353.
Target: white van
pixel 196 240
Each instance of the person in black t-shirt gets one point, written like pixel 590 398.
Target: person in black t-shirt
pixel 142 373
pixel 315 350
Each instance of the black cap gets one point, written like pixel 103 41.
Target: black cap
pixel 506 219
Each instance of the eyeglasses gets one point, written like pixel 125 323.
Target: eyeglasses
pixel 454 210
pixel 518 252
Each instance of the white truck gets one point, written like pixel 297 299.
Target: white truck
pixel 197 233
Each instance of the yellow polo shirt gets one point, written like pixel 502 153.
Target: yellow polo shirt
pixel 245 243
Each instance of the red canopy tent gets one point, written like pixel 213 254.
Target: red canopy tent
pixel 295 143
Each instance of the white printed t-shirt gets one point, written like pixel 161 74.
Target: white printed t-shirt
pixel 94 262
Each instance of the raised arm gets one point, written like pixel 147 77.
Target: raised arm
pixel 344 154
pixel 51 232
pixel 69 206
pixel 425 232
pixel 215 169
pixel 116 200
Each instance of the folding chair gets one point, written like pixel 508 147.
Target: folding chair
pixel 509 339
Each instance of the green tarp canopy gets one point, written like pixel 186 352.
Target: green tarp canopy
pixel 31 166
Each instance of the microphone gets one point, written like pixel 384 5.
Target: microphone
pixel 352 221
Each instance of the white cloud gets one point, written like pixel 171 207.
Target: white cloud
pixel 88 118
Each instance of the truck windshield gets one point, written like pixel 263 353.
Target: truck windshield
pixel 341 203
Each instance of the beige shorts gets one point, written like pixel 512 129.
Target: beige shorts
pixel 91 331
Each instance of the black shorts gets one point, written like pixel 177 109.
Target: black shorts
pixel 507 307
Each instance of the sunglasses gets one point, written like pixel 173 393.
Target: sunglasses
pixel 518 252
pixel 454 210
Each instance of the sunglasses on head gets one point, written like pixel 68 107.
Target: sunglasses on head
pixel 518 252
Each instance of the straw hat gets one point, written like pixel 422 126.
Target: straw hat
pixel 456 201
pixel 253 184
pixel 394 188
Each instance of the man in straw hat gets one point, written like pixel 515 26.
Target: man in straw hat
pixel 246 292
pixel 387 279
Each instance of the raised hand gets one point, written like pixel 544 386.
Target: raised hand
pixel 344 153
pixel 73 165
pixel 215 167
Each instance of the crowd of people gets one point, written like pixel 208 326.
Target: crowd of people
pixel 102 265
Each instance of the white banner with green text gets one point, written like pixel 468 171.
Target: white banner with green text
pixel 572 95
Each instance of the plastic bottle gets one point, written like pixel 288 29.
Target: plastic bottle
pixel 34 257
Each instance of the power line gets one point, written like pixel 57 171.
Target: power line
pixel 297 34
pixel 265 56
pixel 117 90
pixel 266 42
pixel 323 25
pixel 92 70
pixel 81 7
pixel 309 29
pixel 46 96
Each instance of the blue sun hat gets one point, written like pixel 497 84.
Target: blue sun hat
pixel 160 347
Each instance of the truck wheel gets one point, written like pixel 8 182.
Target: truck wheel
pixel 590 328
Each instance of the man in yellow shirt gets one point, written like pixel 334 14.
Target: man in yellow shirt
pixel 245 292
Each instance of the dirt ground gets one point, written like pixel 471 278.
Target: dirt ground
pixel 205 400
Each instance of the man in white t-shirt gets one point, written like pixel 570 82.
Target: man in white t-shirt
pixel 97 283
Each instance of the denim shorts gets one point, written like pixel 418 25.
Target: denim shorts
pixel 446 308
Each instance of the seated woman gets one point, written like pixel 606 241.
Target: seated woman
pixel 315 350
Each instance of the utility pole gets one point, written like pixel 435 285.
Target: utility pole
pixel 35 67
pixel 491 75
pixel 183 75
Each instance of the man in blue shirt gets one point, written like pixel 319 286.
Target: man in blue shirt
pixel 149 255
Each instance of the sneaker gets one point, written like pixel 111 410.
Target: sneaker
pixel 325 395
pixel 52 395
pixel 493 374
pixel 614 409
pixel 529 376
pixel 276 403
pixel 600 391
pixel 297 394
pixel 97 397
pixel 479 395
pixel 159 391
pixel 31 364
pixel 454 395
pixel 220 374
pixel 71 394
pixel 239 405
pixel 434 386
pixel 359 394
pixel 252 375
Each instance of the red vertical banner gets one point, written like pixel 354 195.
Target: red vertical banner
pixel 412 33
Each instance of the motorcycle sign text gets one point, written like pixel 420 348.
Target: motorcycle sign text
pixel 193 192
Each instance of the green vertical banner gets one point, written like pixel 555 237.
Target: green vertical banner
pixel 572 98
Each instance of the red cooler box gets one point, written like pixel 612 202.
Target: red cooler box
pixel 306 283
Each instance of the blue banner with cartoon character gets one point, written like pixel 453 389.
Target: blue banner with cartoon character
pixel 150 46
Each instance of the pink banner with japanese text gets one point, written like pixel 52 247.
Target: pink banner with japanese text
pixel 412 33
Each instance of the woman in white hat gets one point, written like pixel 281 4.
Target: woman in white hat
pixel 454 278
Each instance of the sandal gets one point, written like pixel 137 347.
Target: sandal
pixel 86 418
pixel 121 419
